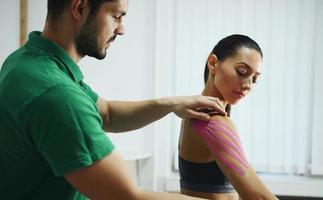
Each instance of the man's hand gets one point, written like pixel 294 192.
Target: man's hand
pixel 192 106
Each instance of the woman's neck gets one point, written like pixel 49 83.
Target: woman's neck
pixel 211 90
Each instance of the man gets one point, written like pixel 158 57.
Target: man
pixel 52 141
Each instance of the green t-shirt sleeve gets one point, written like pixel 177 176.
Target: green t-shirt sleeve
pixel 66 128
pixel 88 90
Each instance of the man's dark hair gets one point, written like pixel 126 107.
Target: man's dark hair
pixel 56 7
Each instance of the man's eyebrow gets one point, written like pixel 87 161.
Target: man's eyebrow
pixel 119 13
pixel 248 66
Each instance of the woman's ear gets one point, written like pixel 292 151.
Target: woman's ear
pixel 212 62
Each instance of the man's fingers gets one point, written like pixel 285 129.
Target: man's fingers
pixel 213 103
pixel 199 115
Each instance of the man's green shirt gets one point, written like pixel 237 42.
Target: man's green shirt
pixel 49 123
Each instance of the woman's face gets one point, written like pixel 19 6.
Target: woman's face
pixel 235 76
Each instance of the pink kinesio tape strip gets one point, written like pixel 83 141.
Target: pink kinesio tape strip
pixel 230 148
pixel 224 142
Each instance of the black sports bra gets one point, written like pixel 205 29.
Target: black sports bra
pixel 203 177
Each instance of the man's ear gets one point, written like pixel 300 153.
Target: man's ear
pixel 212 63
pixel 78 9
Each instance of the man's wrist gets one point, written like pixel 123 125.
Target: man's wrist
pixel 166 104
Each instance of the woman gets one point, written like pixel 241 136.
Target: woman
pixel 211 159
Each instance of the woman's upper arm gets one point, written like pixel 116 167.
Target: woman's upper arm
pixel 223 141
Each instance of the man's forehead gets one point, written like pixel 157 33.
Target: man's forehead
pixel 118 5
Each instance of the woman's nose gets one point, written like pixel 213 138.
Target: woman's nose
pixel 247 83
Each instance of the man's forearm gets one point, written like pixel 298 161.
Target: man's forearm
pixel 120 116
pixel 126 116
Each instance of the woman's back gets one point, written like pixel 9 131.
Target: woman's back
pixel 200 174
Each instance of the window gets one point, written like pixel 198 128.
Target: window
pixel 280 122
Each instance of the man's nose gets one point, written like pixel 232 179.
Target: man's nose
pixel 119 30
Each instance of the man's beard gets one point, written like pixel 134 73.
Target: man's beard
pixel 87 41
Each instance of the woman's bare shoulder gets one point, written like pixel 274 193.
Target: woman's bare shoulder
pixel 220 118
pixel 223 120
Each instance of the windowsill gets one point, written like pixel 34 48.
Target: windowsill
pixel 283 185
pixel 289 185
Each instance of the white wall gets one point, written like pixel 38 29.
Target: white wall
pixel 9 22
pixel 317 158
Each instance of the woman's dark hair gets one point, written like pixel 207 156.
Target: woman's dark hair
pixel 228 47
pixel 56 7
